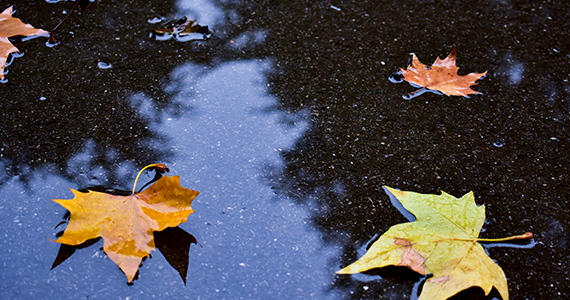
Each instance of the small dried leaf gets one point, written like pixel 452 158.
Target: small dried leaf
pixel 184 27
pixel 441 76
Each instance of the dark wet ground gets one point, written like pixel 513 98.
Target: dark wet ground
pixel 288 102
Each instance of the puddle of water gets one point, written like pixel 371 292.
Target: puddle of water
pixel 253 246
pixel 224 135
pixel 221 142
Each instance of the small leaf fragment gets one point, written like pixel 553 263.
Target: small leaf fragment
pixel 182 28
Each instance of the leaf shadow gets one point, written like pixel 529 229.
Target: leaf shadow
pixel 476 293
pixel 395 274
pixel 174 243
pixel 66 251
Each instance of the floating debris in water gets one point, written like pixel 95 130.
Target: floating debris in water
pixel 43 98
pixel 103 65
pixel 183 31
pixel 498 144
pixel 156 19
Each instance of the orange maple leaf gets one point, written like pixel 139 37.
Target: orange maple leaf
pixel 10 26
pixel 127 223
pixel 441 76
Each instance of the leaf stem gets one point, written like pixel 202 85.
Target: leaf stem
pixel 158 166
pixel 415 93
pixel 525 236
pixel 51 33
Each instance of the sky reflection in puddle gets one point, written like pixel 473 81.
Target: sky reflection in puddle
pixel 203 11
pixel 253 246
pixel 222 139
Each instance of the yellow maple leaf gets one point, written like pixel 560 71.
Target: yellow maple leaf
pixel 10 26
pixel 441 76
pixel 443 241
pixel 127 223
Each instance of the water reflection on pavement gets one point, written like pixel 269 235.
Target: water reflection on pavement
pixel 222 139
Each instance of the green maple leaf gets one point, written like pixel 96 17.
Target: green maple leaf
pixel 443 241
